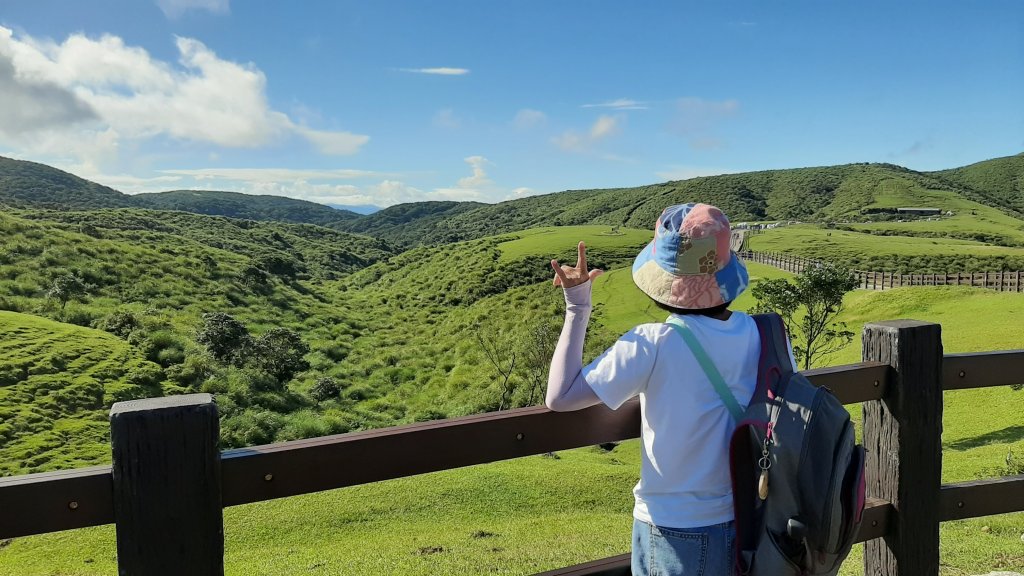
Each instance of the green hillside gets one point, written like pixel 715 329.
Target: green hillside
pixel 877 252
pixel 1000 180
pixel 246 206
pixel 29 184
pixel 403 224
pixel 848 193
pixel 57 382
pixel 522 516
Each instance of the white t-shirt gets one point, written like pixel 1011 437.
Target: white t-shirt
pixel 684 477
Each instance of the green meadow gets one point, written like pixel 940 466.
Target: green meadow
pixel 533 514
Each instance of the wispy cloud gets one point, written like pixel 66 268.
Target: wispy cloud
pixel 447 119
pixel 437 71
pixel 620 104
pixel 273 174
pixel 528 118
pixel 603 128
pixel 175 8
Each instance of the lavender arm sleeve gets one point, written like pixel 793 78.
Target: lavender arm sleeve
pixel 567 390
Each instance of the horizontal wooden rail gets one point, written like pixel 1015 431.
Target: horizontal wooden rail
pixel 982 369
pixel 875 523
pixel 303 466
pixel 54 501
pixel 981 498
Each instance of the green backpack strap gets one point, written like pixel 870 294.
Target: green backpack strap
pixel 709 368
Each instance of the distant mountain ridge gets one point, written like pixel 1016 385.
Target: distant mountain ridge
pixel 818 193
pixel 247 206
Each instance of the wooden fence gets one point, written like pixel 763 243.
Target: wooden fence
pixel 169 481
pixel 1002 281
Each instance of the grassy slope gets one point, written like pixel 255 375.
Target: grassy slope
pixel 906 254
pixel 396 525
pixel 1001 180
pixel 833 192
pixel 56 382
pixel 29 184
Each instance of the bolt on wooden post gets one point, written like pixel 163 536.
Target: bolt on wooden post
pixel 902 435
pixel 167 486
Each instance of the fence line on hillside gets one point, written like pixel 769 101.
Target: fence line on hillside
pixel 1000 281
pixel 169 482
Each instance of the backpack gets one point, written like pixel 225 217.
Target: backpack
pixel 797 477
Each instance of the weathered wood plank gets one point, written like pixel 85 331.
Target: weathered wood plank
pixel 902 436
pixel 54 501
pixel 982 369
pixel 167 486
pixel 981 498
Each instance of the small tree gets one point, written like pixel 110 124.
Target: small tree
pixel 325 389
pixel 538 345
pixel 810 306
pixel 281 353
pixel 225 338
pixel 501 356
pixel 68 286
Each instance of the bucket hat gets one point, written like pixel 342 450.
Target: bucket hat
pixel 689 264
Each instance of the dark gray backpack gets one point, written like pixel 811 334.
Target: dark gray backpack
pixel 798 477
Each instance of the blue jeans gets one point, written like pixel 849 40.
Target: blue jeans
pixel 661 551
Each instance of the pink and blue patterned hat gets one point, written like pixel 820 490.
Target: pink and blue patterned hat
pixel 689 264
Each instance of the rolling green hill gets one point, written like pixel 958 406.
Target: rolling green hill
pixel 29 184
pixel 403 224
pixel 32 185
pixel 866 193
pixel 848 193
pixel 247 206
pixel 57 382
pixel 1000 180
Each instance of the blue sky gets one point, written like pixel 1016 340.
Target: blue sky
pixel 385 102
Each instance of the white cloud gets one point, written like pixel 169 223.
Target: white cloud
pixel 479 178
pixel 317 185
pixel 521 192
pixel 604 127
pixel 132 96
pixel 447 119
pixel 175 8
pixel 528 118
pixel 620 104
pixel 270 174
pixel 437 71
pixel 30 104
pixel 687 172
pixel 333 143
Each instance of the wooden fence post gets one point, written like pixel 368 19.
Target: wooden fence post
pixel 902 434
pixel 166 477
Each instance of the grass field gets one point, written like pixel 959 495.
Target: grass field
pixel 537 513
pixel 841 244
pixel 55 383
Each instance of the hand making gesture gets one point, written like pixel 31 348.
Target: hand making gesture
pixel 569 276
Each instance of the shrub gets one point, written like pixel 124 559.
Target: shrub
pixel 120 323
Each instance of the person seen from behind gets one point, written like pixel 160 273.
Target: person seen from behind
pixel 683 512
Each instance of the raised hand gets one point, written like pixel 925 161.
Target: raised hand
pixel 569 276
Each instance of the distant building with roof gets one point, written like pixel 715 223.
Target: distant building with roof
pixel 920 211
